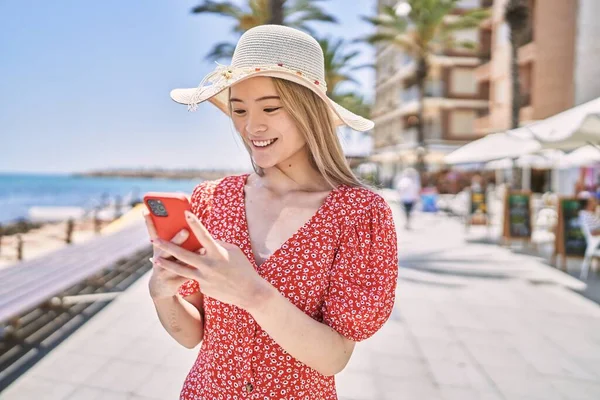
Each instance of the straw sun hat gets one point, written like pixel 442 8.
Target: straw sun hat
pixel 276 51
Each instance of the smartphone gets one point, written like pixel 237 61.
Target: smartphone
pixel 167 213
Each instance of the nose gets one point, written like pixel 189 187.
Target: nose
pixel 255 123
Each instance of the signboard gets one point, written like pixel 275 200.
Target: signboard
pixel 573 238
pixel 570 240
pixel 478 203
pixel 477 209
pixel 517 215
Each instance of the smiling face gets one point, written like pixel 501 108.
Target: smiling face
pixel 265 125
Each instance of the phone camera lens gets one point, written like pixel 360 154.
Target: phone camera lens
pixel 157 208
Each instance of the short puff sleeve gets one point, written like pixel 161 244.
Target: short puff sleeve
pixel 364 274
pixel 201 203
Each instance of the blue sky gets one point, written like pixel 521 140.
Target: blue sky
pixel 85 84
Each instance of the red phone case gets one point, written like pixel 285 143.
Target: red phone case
pixel 168 226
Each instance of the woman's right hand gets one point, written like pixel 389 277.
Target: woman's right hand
pixel 163 283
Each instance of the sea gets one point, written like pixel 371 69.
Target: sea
pixel 20 192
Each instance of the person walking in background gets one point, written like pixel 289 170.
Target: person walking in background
pixel 300 258
pixel 409 188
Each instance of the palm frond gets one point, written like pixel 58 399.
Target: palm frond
pixel 467 21
pixel 363 66
pixel 353 102
pixel 220 51
pixel 223 8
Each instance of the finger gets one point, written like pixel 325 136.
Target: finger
pixel 181 236
pixel 150 225
pixel 201 232
pixel 181 270
pixel 188 257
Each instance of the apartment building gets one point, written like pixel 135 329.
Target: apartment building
pixel 559 61
pixel 454 100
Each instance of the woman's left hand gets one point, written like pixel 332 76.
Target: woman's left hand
pixel 221 269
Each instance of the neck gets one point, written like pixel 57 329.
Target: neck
pixel 294 174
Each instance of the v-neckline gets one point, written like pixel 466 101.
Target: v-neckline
pixel 246 227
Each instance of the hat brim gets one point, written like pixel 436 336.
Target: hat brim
pixel 218 96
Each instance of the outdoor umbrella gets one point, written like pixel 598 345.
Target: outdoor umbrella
pixel 493 147
pixel 569 129
pixel 503 163
pixel 583 156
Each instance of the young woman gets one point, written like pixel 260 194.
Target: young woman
pixel 299 260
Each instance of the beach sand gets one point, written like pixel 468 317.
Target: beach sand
pixel 51 236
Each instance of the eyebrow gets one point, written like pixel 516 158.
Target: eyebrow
pixel 231 100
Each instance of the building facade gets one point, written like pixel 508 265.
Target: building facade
pixel 559 62
pixel 454 100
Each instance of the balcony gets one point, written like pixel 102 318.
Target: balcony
pixel 485 55
pixel 483 72
pixel 482 124
pixel 432 89
pixel 526 114
pixel 527 53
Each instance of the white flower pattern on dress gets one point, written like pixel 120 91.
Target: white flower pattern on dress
pixel 340 268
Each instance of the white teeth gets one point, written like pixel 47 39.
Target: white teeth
pixel 262 143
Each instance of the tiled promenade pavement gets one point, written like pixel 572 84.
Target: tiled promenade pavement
pixel 472 321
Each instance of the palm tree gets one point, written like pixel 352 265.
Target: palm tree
pixel 277 7
pixel 353 102
pixel 421 31
pixel 338 68
pixel 516 15
pixel 295 14
pixel 259 12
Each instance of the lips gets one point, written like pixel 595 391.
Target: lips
pixel 263 143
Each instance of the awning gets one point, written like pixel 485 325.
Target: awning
pixel 585 155
pixel 503 163
pixel 569 129
pixel 493 147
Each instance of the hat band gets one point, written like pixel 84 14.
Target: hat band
pixel 226 75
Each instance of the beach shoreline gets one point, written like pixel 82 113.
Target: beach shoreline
pixel 51 236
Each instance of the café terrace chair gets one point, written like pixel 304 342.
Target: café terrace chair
pixel 591 249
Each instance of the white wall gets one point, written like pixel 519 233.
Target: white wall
pixel 587 52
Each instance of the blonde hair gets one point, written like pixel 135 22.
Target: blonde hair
pixel 315 122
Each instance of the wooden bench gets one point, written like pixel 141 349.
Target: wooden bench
pixel 28 284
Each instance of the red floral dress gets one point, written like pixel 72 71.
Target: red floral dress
pixel 340 268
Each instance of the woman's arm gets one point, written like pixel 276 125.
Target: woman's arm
pixel 307 340
pixel 182 319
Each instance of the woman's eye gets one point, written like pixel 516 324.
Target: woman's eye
pixel 269 110
pixel 239 112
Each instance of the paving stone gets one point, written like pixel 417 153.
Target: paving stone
pixel 38 388
pixel 394 389
pixel 89 393
pixel 357 386
pixel 163 383
pixel 456 393
pixel 70 367
pixel 577 389
pixel 121 376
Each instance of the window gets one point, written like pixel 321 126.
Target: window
pixel 461 122
pixel 467 35
pixel 463 81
